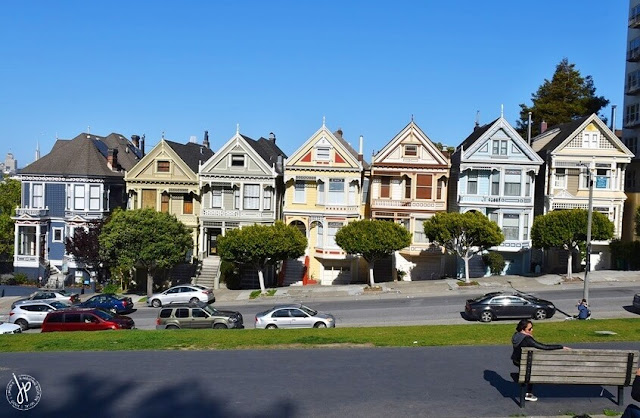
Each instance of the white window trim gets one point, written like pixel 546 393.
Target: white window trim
pixel 53 234
pixel 299 196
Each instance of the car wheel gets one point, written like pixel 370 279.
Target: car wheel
pixel 156 303
pixel 486 316
pixel 172 327
pixel 219 326
pixel 540 314
pixel 271 326
pixel 320 325
pixel 23 324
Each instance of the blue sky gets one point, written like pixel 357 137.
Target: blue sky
pixel 183 67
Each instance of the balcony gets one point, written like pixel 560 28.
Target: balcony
pixel 89 214
pixel 237 214
pixel 634 22
pixel 407 204
pixel 633 55
pixel 632 90
pixel 507 200
pixel 631 122
pixel 35 213
pixel 330 253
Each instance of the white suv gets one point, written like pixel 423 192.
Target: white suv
pixel 182 294
pixel 32 313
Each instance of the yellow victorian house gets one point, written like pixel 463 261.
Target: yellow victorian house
pixel 325 188
pixel 166 180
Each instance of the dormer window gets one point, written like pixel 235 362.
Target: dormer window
pixel 163 166
pixel 322 154
pixel 590 139
pixel 237 160
pixel 499 147
pixel 410 150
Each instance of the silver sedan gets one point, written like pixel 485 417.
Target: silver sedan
pixel 294 316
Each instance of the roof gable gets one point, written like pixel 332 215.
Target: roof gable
pixel 220 162
pixel 325 150
pixel 175 154
pixel 395 151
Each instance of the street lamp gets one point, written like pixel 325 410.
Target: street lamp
pixel 585 293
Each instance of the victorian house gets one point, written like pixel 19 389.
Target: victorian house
pixel 166 180
pixel 325 189
pixel 493 171
pixel 571 152
pixel 242 184
pixel 79 182
pixel 409 181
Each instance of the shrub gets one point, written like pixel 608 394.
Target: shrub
pixel 495 261
pixel 111 288
pixel 229 275
pixel 20 278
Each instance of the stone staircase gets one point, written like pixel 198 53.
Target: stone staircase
pixel 294 271
pixel 209 270
pixel 477 267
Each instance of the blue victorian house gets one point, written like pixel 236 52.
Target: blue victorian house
pixel 79 182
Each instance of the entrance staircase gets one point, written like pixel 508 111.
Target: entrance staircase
pixel 294 271
pixel 209 270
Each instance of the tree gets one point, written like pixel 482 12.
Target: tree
pixel 637 219
pixel 568 229
pixel 144 237
pixel 85 247
pixel 568 96
pixel 464 234
pixel 372 239
pixel 9 200
pixel 260 245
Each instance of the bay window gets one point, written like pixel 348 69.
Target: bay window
pixel 38 196
pixel 336 191
pixel 511 226
pixel 424 186
pixel 78 197
pixel 268 194
pixel 512 182
pixel 216 197
pixel 299 196
pixel 472 182
pixel 251 197
pixel 94 197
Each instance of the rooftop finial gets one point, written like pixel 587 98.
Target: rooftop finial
pixel 412 117
pixel 88 129
pixel 502 110
pixel 324 120
pixel 237 128
pixel 162 134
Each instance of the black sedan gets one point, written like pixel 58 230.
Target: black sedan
pixel 109 302
pixel 498 305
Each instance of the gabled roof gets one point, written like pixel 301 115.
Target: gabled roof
pixel 193 154
pixel 478 131
pixel 267 149
pixel 353 152
pixel 561 132
pixel 128 155
pixel 84 155
pixel 414 130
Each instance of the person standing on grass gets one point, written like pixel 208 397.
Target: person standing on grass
pixel 523 337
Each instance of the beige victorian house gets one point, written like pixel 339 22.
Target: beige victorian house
pixel 409 180
pixel 570 151
pixel 166 180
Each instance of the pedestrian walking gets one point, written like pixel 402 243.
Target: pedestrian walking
pixel 523 337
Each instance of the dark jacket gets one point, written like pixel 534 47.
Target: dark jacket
pixel 583 312
pixel 635 389
pixel 520 340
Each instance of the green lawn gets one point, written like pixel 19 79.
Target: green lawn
pixel 431 335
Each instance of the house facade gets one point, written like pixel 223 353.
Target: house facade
pixel 326 188
pixel 166 180
pixel 409 183
pixel 493 171
pixel 570 152
pixel 79 182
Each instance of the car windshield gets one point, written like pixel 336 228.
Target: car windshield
pixel 199 287
pixel 104 315
pixel 64 292
pixel 308 310
pixel 211 310
pixel 59 305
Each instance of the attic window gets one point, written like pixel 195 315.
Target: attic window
pixel 322 154
pixel 237 160
pixel 410 150
pixel 163 166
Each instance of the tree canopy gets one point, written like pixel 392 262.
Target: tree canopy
pixel 144 237
pixel 9 200
pixel 372 239
pixel 84 245
pixel 568 229
pixel 464 234
pixel 566 97
pixel 259 245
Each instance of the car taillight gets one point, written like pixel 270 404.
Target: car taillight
pixel 256 319
pixel 11 313
pixel 157 321
pixel 124 303
pixel 206 292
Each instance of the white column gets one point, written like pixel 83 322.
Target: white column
pixel 16 229
pixel 38 242
pixel 241 203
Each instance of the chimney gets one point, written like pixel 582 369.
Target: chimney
pixel 112 159
pixel 613 118
pixel 279 164
pixel 339 132
pixel 272 137
pixel 360 157
pixel 142 145
pixel 543 127
pixel 135 139
pixel 205 142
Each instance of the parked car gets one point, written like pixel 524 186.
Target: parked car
pixel 6 328
pixel 109 302
pixel 498 305
pixel 294 316
pixel 32 313
pixel 182 294
pixel 636 302
pixel 197 315
pixel 84 319
pixel 49 295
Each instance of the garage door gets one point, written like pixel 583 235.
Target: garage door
pixel 336 274
pixel 426 268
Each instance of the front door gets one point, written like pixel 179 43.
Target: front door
pixel 213 240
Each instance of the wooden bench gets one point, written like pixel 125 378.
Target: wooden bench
pixel 578 367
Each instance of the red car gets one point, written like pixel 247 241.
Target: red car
pixel 75 319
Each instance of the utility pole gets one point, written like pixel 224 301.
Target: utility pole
pixel 585 293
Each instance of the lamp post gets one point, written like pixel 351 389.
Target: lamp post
pixel 585 293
